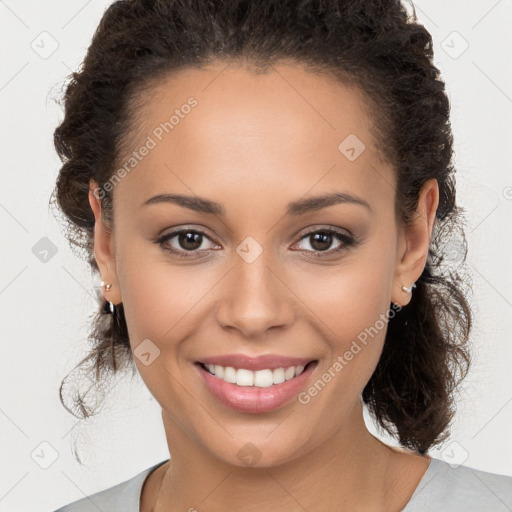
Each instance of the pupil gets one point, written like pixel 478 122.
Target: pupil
pixel 321 241
pixel 190 241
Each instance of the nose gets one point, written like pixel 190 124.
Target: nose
pixel 255 299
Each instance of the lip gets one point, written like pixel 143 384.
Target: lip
pixel 252 399
pixel 254 363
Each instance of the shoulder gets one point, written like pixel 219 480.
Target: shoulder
pixel 453 488
pixel 123 497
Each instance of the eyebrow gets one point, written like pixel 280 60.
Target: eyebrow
pixel 295 208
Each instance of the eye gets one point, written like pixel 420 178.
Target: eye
pixel 320 240
pixel 189 241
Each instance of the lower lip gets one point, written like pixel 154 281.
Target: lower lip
pixel 253 399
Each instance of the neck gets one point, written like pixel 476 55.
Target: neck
pixel 355 468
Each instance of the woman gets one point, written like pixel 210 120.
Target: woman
pixel 264 191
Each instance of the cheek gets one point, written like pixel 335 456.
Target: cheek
pixel 341 306
pixel 348 298
pixel 160 298
pixel 163 301
pixel 351 304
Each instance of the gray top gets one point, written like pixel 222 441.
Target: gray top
pixel 442 488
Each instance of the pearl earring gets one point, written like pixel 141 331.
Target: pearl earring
pixel 107 288
pixel 409 290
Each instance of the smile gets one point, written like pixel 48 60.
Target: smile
pixel 260 378
pixel 262 389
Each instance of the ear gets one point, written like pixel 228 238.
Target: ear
pixel 104 251
pixel 414 241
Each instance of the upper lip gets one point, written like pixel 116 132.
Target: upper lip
pixel 253 363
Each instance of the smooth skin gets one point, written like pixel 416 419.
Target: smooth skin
pixel 254 143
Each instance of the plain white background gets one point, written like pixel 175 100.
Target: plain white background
pixel 44 306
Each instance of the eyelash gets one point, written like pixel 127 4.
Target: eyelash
pixel 347 241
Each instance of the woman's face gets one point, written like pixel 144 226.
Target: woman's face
pixel 245 278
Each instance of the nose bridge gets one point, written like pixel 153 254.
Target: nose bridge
pixel 256 299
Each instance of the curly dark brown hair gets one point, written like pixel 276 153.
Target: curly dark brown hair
pixel 377 46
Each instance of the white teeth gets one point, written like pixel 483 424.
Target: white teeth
pixel 219 371
pixel 259 378
pixel 278 375
pixel 229 375
pixel 263 378
pixel 244 377
pixel 289 373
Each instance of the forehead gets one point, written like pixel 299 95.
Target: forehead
pixel 287 128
